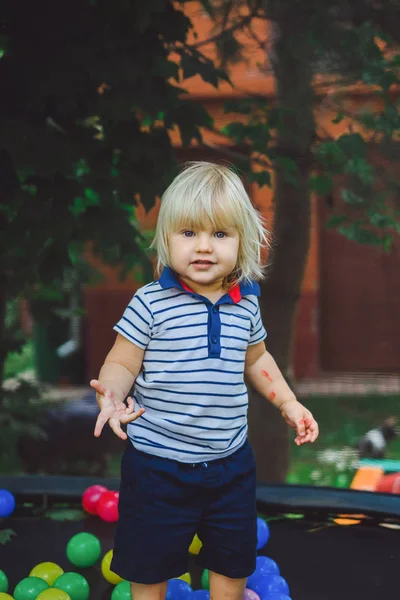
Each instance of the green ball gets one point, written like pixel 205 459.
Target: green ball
pixel 205 580
pixel 3 582
pixel 29 588
pixel 74 584
pixel 83 549
pixel 122 591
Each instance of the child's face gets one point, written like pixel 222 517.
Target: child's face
pixel 204 257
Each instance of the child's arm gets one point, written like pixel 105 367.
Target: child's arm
pixel 117 375
pixel 265 376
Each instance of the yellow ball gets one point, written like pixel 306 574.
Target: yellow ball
pixel 185 577
pixel 109 575
pixel 53 594
pixel 4 596
pixel 48 571
pixel 195 546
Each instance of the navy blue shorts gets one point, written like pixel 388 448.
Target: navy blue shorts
pixel 163 503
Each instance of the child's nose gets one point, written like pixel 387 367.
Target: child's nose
pixel 204 243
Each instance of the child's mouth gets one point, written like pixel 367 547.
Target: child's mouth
pixel 202 263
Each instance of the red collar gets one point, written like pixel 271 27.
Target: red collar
pixel 234 292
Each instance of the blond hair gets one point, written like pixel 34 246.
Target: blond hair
pixel 203 191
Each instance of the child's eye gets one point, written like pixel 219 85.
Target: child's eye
pixel 220 234
pixel 188 233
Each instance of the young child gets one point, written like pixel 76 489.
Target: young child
pixel 185 343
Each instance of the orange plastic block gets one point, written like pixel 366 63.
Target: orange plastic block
pixel 366 479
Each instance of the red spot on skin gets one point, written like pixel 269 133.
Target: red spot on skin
pixel 267 375
pixel 272 396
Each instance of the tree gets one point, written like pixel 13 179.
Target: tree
pixel 347 44
pixel 89 95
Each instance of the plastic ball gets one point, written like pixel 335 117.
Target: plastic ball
pixel 53 594
pixel 7 503
pixel 48 571
pixel 200 595
pixel 186 577
pixel 262 533
pixel 178 590
pixel 91 496
pixel 29 588
pixel 196 544
pixel 267 566
pixel 122 591
pixel 250 595
pixel 109 575
pixel 83 549
pixel 205 579
pixel 74 584
pixel 3 582
pixel 278 597
pixel 107 507
pixel 270 584
pixel 4 596
pixel 264 566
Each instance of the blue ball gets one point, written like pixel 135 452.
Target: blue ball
pixel 7 503
pixel 200 595
pixel 262 533
pixel 264 566
pixel 272 584
pixel 278 597
pixel 177 589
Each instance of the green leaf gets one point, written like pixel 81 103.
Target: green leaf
pixel 338 119
pixel 92 197
pixel 352 144
pixel 6 535
pixel 351 197
pixel 196 64
pixel 65 514
pixel 261 178
pixel 321 184
pixel 335 221
pixel 384 222
pixel 75 251
pixel 235 130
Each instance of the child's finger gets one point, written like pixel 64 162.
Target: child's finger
pixel 96 385
pixel 128 418
pixel 116 427
pixel 131 406
pixel 100 422
pixel 301 428
pixel 314 430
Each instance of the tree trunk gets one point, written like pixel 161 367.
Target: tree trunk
pixel 280 292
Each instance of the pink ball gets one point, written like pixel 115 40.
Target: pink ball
pixel 107 507
pixel 91 496
pixel 250 595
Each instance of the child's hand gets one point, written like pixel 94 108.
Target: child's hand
pixel 301 420
pixel 113 410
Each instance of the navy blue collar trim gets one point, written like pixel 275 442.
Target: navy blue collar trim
pixel 168 279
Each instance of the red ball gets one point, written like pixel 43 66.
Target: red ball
pixel 107 506
pixel 91 496
pixel 389 484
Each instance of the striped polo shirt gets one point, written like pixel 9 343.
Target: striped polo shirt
pixel 192 379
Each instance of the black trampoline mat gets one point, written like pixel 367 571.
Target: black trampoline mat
pixel 320 561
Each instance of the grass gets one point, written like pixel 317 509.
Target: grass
pixel 18 362
pixel 332 460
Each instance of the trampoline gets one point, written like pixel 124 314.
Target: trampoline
pixel 320 559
